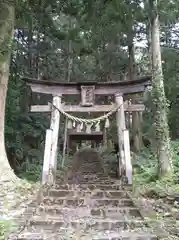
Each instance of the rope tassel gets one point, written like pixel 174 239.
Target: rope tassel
pixel 88 127
pixel 107 123
pixel 81 126
pixel 97 126
pixel 69 124
pixel 78 128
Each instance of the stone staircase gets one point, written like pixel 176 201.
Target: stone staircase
pixel 88 206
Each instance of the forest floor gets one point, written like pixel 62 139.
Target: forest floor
pixel 166 213
pixel 159 199
pixel 15 196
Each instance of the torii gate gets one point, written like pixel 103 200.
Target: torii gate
pixel 87 91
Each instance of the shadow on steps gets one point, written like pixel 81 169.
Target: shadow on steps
pixel 86 161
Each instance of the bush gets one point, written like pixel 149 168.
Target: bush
pixel 175 148
pixel 32 169
pixel 146 181
pixel 6 227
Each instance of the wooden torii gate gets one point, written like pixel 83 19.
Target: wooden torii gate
pixel 87 92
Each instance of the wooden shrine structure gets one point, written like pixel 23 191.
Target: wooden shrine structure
pixel 88 91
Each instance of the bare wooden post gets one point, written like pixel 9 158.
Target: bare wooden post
pixel 54 126
pixel 127 120
pixel 109 144
pixel 105 138
pixel 68 146
pixel 120 119
pixel 47 153
pixel 65 143
pixel 127 115
pixel 128 165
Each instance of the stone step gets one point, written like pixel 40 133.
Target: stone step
pixel 92 163
pixel 94 170
pixel 90 202
pixel 77 180
pixel 85 224
pixel 86 172
pixel 82 193
pixel 99 175
pixel 89 177
pixel 123 235
pixel 29 236
pixel 89 173
pixel 90 186
pixel 79 212
pixel 97 179
pixel 89 169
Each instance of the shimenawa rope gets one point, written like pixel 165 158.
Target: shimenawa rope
pixel 86 121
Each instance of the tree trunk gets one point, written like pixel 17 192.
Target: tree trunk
pixel 70 61
pixel 6 32
pixel 149 47
pixel 159 98
pixel 136 127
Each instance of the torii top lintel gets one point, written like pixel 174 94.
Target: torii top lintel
pixel 101 88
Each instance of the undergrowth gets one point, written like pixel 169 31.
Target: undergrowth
pixel 146 180
pixel 32 170
pixel 15 194
pixel 6 227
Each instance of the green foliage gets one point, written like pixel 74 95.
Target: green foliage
pixel 30 171
pixel 171 74
pixel 6 28
pixel 24 133
pixel 108 156
pixel 6 227
pixel 175 147
pixel 146 180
